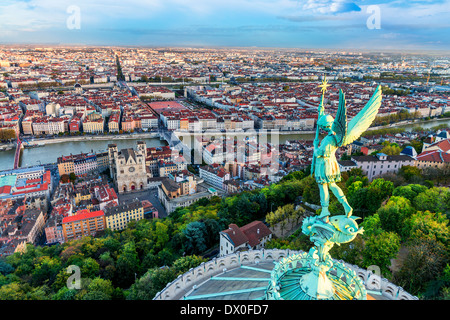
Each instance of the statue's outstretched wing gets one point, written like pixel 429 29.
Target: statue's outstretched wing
pixel 362 121
pixel 339 126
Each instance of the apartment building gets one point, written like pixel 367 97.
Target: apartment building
pixel 83 223
pixel 113 122
pixel 181 190
pixel 154 156
pixel 379 164
pixel 27 126
pixel 93 123
pixel 79 164
pixel 93 126
pixel 53 229
pixel 118 217
pixel 215 175
pixel 33 221
pixel 25 182
pixel 149 122
pixel 102 160
pixel 106 196
pixel 435 155
pixel 213 153
pixel 48 125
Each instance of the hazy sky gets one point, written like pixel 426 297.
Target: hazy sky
pixel 365 24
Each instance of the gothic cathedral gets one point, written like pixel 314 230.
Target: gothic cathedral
pixel 127 167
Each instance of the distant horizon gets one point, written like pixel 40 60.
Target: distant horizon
pixel 79 45
pixel 378 25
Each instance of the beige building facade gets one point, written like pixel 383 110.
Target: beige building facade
pixel 127 167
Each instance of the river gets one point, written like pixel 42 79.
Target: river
pixel 50 152
pixel 285 136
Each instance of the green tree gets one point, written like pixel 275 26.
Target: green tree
pixel 366 201
pixel 381 188
pixel 311 193
pixel 394 213
pixel 65 294
pixel 45 271
pixel 281 193
pixel 153 281
pixel 184 264
pixel 439 176
pixel 372 225
pixel 354 172
pixel 355 186
pixel 409 191
pixel 61 279
pixel 90 268
pixel 5 268
pixel 113 246
pixel 425 262
pixel 380 249
pixel 195 234
pixel 23 263
pixel 150 261
pixel 99 289
pixel 350 252
pixel 165 257
pixel 417 145
pixel 37 293
pixel 212 231
pixel 359 200
pixel 296 175
pixel 378 191
pixel 161 234
pixel 440 287
pixel 270 219
pixel 12 291
pixel 391 150
pixel 436 199
pixel 428 225
pixel 127 265
pixel 409 172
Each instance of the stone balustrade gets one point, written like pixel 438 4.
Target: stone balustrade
pixel 193 278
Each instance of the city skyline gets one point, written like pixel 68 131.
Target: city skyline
pixel 327 24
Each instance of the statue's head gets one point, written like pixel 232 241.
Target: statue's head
pixel 325 122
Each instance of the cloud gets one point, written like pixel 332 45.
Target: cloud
pixel 329 6
pixel 236 21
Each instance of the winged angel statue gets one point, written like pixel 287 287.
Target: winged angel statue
pixel 340 133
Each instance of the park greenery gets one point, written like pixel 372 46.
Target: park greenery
pixel 405 213
pixel 7 134
pixel 403 115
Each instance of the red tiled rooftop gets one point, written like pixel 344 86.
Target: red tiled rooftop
pixel 83 216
